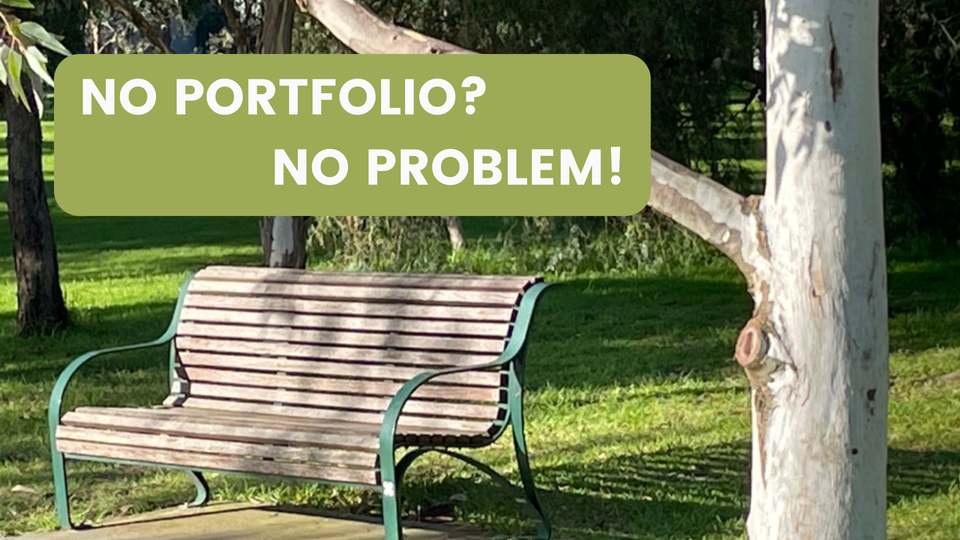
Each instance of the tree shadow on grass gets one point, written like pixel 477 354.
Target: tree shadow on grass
pixel 38 360
pixel 684 492
pixel 606 332
pixel 94 235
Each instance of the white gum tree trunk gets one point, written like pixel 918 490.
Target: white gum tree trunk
pixel 820 437
pixel 812 249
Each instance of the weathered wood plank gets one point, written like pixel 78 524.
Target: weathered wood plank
pixel 342 401
pixel 336 322
pixel 162 421
pixel 224 463
pixel 341 386
pixel 357 339
pixel 374 279
pixel 384 372
pixel 334 354
pixel 365 309
pixel 408 423
pixel 372 294
pixel 247 419
pixel 302 422
pixel 218 447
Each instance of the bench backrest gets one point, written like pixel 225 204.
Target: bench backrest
pixel 338 346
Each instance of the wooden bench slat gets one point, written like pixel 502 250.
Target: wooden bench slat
pixel 372 294
pixel 376 279
pixel 323 368
pixel 341 401
pixel 334 322
pixel 160 421
pixel 360 339
pixel 334 354
pixel 217 447
pixel 340 386
pixel 315 423
pixel 223 463
pixel 352 308
pixel 232 418
pixel 408 423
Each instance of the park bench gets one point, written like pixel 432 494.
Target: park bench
pixel 321 376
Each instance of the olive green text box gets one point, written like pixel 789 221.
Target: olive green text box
pixel 559 125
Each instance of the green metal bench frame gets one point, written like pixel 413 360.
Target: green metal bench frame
pixel 511 363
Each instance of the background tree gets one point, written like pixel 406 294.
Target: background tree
pixel 23 71
pixel 283 238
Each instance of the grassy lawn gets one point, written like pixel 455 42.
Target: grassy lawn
pixel 638 416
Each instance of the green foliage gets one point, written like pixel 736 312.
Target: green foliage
pixel 17 4
pixel 920 100
pixel 559 246
pixel 19 41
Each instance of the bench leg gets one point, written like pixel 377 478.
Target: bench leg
pixel 392 528
pixel 526 474
pixel 61 498
pixel 203 489
pixel 390 484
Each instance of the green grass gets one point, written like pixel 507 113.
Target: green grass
pixel 638 418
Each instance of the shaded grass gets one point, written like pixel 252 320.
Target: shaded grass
pixel 638 418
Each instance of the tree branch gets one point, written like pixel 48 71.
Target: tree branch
pixel 710 210
pixel 235 24
pixel 366 33
pixel 142 24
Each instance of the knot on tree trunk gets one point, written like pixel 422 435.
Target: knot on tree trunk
pixel 751 353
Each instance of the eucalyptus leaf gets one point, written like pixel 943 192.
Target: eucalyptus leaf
pixel 37 64
pixel 4 54
pixel 15 63
pixel 36 84
pixel 17 4
pixel 39 34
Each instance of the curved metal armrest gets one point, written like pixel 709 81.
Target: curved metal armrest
pixel 56 396
pixel 517 341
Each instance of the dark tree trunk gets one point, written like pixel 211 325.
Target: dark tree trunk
pixel 276 33
pixel 40 305
pixel 284 239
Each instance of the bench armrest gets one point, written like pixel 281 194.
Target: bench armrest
pixel 56 396
pixel 514 347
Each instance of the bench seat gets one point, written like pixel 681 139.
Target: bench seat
pixel 272 444
pixel 322 376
